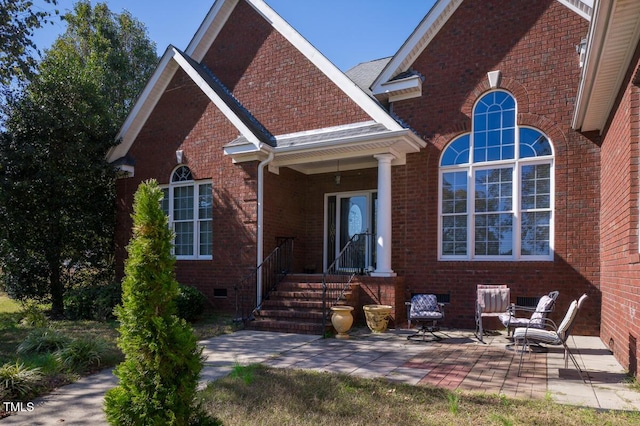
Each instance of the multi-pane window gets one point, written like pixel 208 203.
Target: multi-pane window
pixel 188 204
pixel 496 188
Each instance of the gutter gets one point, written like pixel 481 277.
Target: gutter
pixel 260 233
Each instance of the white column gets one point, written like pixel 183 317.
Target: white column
pixel 383 218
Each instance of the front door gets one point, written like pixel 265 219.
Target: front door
pixel 348 214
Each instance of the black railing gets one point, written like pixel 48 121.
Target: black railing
pixel 337 278
pixel 271 271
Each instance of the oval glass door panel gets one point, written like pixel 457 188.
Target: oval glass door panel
pixel 355 220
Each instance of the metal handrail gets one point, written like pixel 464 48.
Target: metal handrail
pixel 337 278
pixel 273 269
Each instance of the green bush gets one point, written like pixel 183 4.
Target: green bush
pixel 190 303
pixel 92 303
pixel 159 375
pixel 42 340
pixel 18 381
pixel 32 315
pixel 81 354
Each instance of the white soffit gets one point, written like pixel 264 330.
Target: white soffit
pixel 613 37
pixel 583 8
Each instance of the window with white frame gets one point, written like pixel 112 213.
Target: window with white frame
pixel 188 204
pixel 496 188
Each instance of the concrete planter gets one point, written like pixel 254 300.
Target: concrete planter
pixel 377 317
pixel 342 320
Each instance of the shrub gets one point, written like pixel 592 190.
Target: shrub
pixel 190 303
pixel 81 354
pixel 159 375
pixel 92 303
pixel 42 340
pixel 32 315
pixel 18 381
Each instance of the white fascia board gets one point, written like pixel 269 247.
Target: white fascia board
pixel 597 37
pixel 417 41
pixel 209 29
pixel 410 87
pixel 217 101
pixel 368 105
pixel 414 143
pixel 144 105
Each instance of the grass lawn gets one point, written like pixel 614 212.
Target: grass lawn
pixel 260 395
pixel 13 331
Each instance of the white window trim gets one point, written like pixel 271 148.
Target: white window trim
pixel 196 220
pixel 516 165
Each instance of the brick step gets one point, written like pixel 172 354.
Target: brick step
pixel 302 295
pixel 285 326
pixel 292 303
pixel 299 286
pixel 308 314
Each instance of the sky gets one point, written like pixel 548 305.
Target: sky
pixel 347 32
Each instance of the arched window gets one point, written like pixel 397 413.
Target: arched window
pixel 188 204
pixel 496 188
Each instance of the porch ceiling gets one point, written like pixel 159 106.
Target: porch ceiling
pixel 318 151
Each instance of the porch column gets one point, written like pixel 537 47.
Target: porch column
pixel 383 218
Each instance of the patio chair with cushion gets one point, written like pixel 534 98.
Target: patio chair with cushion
pixel 425 310
pixel 551 335
pixel 543 308
pixel 491 301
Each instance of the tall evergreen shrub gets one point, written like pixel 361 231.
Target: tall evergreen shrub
pixel 159 375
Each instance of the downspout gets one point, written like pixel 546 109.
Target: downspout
pixel 260 236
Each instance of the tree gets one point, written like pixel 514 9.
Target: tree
pixel 17 22
pixel 56 189
pixel 159 375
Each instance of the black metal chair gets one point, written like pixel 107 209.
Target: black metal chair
pixel 425 310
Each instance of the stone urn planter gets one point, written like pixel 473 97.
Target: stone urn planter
pixel 377 317
pixel 342 320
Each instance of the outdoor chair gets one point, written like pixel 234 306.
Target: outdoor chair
pixel 551 335
pixel 425 310
pixel 543 308
pixel 491 301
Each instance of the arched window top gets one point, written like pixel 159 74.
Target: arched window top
pixel 181 174
pixel 495 135
pixel 457 152
pixel 533 143
pixel 495 102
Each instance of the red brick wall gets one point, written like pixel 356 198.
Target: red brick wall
pixel 533 45
pixel 620 276
pixel 282 89
pixel 185 119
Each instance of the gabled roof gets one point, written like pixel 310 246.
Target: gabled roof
pixel 250 130
pixel 613 37
pixel 389 86
pixel 171 61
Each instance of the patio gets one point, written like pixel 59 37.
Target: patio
pixel 458 362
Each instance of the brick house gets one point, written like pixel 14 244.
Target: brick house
pixel 478 154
